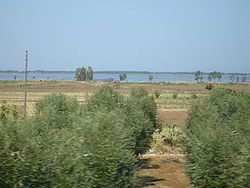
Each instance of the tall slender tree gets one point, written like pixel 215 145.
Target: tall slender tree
pixel 150 77
pixel 218 75
pixel 198 76
pixel 232 77
pixel 89 73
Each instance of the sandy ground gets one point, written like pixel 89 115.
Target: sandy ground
pixel 164 171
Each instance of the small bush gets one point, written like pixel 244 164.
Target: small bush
pixel 147 104
pixel 56 111
pixel 217 137
pixel 108 159
pixel 171 134
pixel 209 86
pixel 174 96
pixel 157 94
pixel 105 98
pixel 9 112
pixel 139 111
pixel 194 96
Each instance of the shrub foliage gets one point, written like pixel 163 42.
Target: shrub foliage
pixel 70 145
pixel 217 140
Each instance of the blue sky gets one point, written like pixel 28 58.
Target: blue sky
pixel 141 35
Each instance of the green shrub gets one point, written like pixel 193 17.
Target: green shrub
pixel 56 111
pixel 93 151
pixel 63 146
pixel 141 114
pixel 104 98
pixel 171 134
pixel 9 112
pixel 11 142
pixel 139 97
pixel 217 137
pixel 109 160
pixel 174 96
pixel 209 86
pixel 139 111
pixel 194 96
pixel 141 127
pixel 157 94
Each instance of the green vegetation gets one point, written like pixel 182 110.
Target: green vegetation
pixel 139 111
pixel 198 76
pixel 217 137
pixel 122 76
pixel 194 96
pixel 150 77
pixel 214 75
pixel 175 95
pixel 56 111
pixel 157 94
pixel 209 86
pixel 236 77
pixel 82 74
pixel 171 134
pixel 8 112
pixel 65 144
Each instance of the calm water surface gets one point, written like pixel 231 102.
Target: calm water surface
pixel 130 77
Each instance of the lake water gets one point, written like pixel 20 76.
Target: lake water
pixel 130 77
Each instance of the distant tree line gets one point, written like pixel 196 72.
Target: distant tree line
pixel 198 76
pixel 212 75
pixel 237 77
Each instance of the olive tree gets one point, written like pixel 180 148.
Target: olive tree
pixel 217 140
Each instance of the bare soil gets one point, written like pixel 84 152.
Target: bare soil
pixel 164 171
pixel 177 117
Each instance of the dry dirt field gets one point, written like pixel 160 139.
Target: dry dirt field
pixel 163 169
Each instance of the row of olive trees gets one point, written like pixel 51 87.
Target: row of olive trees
pixel 83 74
pixel 66 144
pixel 217 137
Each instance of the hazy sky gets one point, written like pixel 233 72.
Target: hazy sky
pixel 150 35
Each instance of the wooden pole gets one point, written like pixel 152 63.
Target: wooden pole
pixel 25 82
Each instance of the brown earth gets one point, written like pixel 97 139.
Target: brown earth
pixel 164 171
pixel 173 116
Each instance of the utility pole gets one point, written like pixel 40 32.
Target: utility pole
pixel 25 83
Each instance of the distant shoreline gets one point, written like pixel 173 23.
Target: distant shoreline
pixel 118 72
